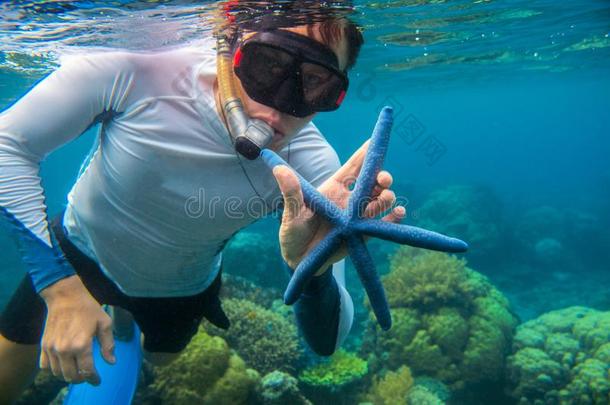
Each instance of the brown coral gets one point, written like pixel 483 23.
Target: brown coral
pixel 392 389
pixel 449 322
pixel 206 373
pixel 266 340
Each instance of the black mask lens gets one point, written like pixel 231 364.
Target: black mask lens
pixel 322 87
pixel 264 67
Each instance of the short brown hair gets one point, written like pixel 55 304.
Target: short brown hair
pixel 333 30
pixel 260 15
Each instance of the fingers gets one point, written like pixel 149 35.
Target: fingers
pixel 43 363
pixel 48 357
pixel 383 202
pixel 72 361
pixel 396 215
pixel 86 369
pixel 384 179
pixel 53 364
pixel 291 191
pixel 74 318
pixel 68 366
pixel 106 339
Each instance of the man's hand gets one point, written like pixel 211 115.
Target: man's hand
pixel 301 229
pixel 73 319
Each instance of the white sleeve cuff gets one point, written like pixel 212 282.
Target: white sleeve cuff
pixel 346 316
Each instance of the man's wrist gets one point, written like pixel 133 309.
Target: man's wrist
pixel 318 283
pixel 64 287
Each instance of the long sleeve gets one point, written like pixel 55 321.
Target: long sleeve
pixel 56 110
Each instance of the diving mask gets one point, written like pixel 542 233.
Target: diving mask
pixel 289 72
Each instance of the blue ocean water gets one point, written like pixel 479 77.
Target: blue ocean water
pixel 506 101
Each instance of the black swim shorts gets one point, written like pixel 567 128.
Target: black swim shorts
pixel 168 324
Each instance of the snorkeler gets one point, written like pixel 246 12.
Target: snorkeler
pixel 133 232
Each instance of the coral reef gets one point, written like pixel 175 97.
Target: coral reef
pixel 469 212
pixel 548 250
pixel 436 390
pixel 279 388
pixel 541 222
pixel 392 389
pixel 420 395
pixel 256 257
pixel 43 390
pixel 340 369
pixel 562 357
pixel 399 388
pixel 542 235
pixel 569 239
pixel 206 373
pixel 60 398
pixel 239 287
pixel 336 379
pixel 450 323
pixel 266 340
pixel 558 290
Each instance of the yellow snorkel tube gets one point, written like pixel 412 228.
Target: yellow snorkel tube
pixel 249 135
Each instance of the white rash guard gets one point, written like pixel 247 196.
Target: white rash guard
pixel 163 189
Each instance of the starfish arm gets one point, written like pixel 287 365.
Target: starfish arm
pixel 312 197
pixel 370 280
pixel 310 264
pixel 410 235
pixel 373 161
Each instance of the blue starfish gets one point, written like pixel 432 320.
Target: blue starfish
pixel 351 227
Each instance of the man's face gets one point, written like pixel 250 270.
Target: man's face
pixel 285 125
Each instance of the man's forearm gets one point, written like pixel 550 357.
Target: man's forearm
pixel 45 264
pixel 319 312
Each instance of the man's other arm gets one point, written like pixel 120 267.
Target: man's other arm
pixel 56 110
pixel 325 310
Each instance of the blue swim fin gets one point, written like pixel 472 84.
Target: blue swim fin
pixel 119 381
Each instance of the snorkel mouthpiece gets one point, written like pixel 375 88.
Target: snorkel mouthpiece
pixel 254 139
pixel 249 135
